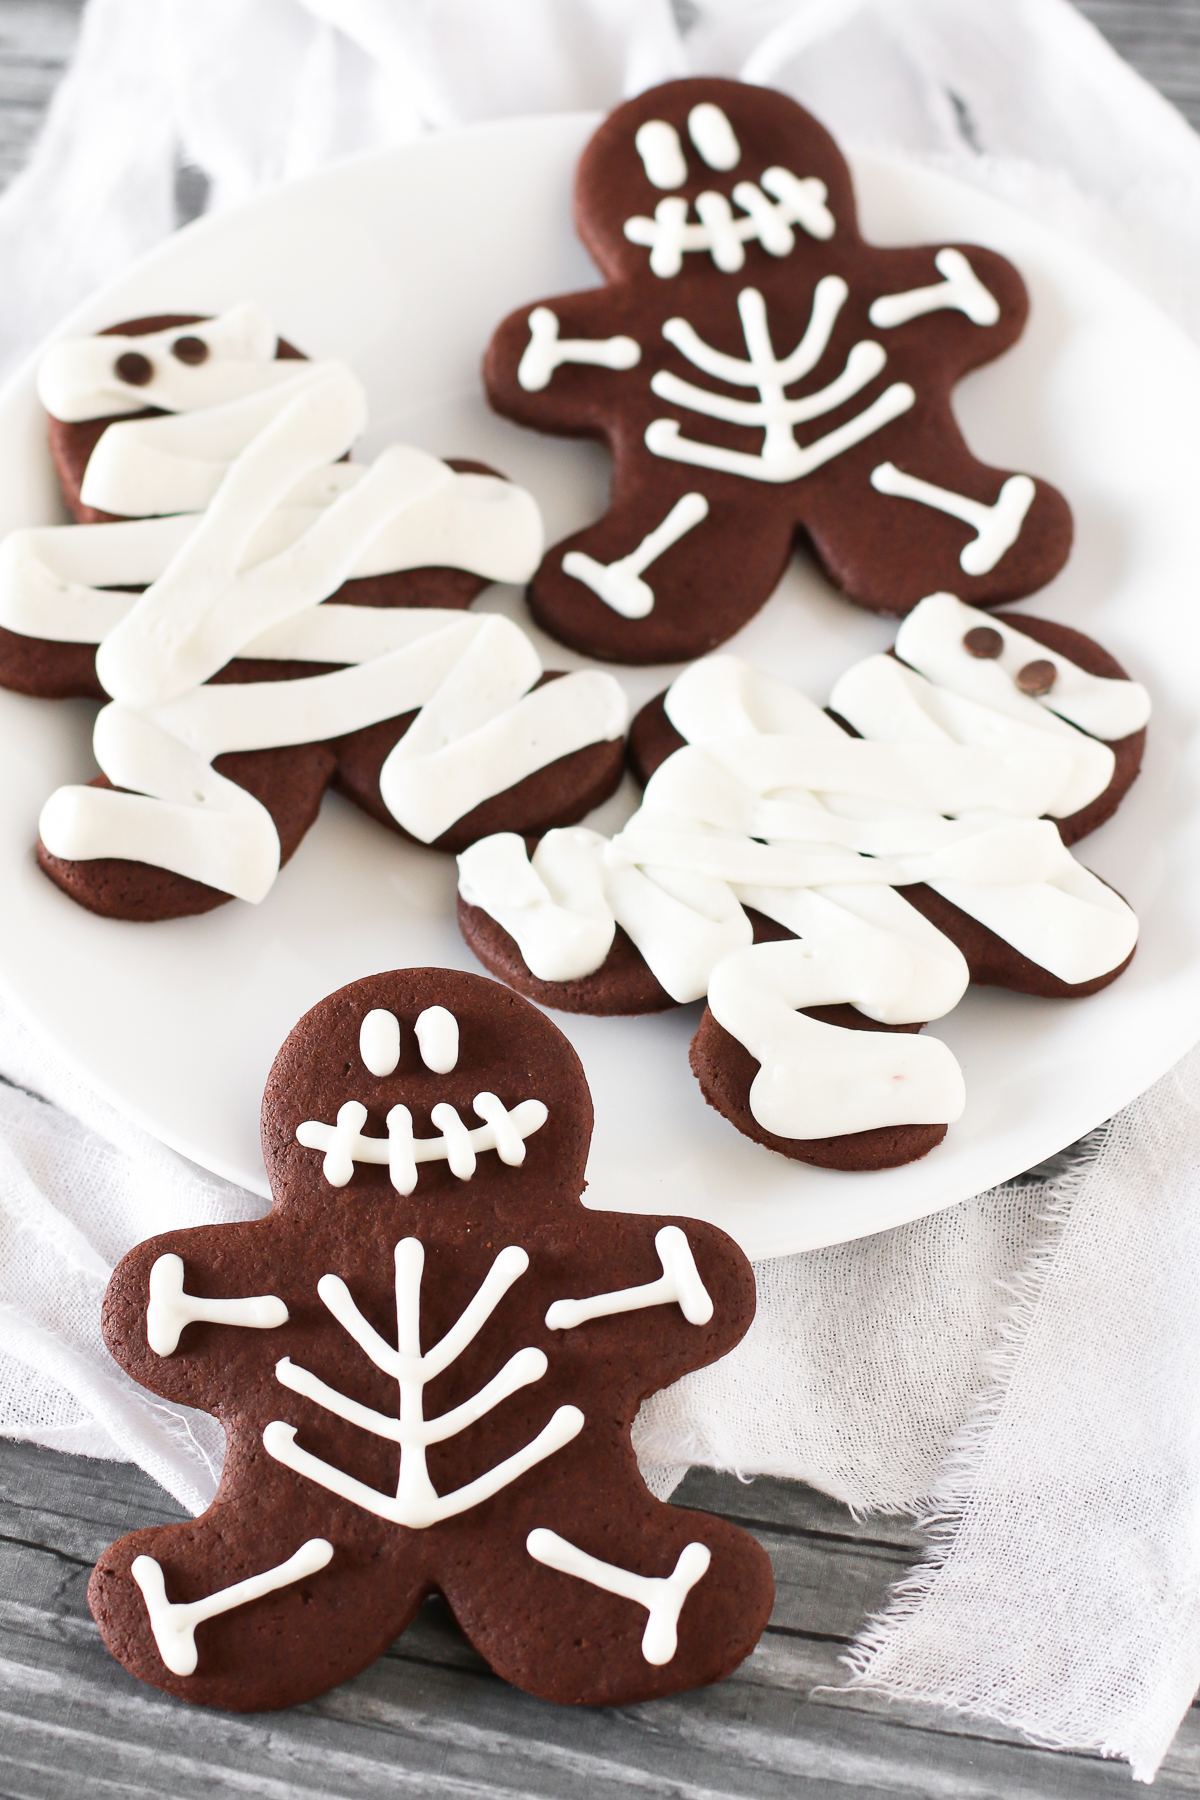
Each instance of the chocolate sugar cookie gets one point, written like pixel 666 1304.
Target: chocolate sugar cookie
pixel 427 1360
pixel 760 372
pixel 267 619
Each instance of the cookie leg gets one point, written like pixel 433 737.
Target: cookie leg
pixel 602 593
pixel 606 1596
pixel 255 1607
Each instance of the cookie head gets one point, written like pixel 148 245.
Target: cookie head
pixel 424 1084
pixel 711 159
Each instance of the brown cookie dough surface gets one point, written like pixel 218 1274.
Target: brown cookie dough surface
pixel 558 1635
pixel 695 335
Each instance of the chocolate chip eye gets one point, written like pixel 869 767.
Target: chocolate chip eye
pixel 1037 677
pixel 190 349
pixel 984 641
pixel 134 368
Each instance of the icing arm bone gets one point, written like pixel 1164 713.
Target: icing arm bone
pixel 170 1309
pixel 679 1284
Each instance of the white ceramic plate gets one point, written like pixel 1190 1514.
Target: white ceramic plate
pixel 401 263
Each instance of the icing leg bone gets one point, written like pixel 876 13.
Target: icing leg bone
pixel 417 1504
pixel 619 584
pixel 663 1597
pixel 170 1309
pixel 679 1283
pixel 344 1145
pixel 174 1623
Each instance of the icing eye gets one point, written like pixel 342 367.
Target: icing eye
pixel 379 1041
pixel 658 145
pixel 437 1035
pixel 1037 677
pixel 134 368
pixel 984 641
pixel 713 136
pixel 190 350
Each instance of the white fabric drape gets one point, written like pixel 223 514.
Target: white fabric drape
pixel 1025 1364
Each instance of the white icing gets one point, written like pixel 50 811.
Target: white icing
pixel 78 379
pixel 960 290
pixel 781 457
pixel 555 907
pixel 205 605
pixel 930 640
pixel 816 1080
pixel 776 808
pixel 379 1041
pixel 770 207
pixel 400 1152
pixel 997 526
pixel 662 1597
pixel 1070 923
pixel 174 1622
pixel 169 1309
pixel 186 817
pixel 714 136
pixel 679 1284
pixel 619 584
pixel 546 351
pixel 723 697
pixel 428 789
pixel 437 1038
pixel 177 463
pixel 52 579
pixel 416 1504
pixel 891 704
pixel 657 143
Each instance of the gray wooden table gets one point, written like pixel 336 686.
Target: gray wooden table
pixel 429 1718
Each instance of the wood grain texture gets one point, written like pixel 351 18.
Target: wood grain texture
pixel 1161 38
pixel 429 1719
pixel 36 40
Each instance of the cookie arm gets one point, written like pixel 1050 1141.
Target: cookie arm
pixel 187 1307
pixel 558 365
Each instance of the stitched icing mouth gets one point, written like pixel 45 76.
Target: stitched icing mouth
pixel 503 1131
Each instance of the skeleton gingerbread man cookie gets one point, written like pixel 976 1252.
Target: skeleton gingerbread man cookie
pixel 268 619
pixel 427 1360
pixel 758 371
pixel 816 875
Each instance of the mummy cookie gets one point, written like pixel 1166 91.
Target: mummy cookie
pixel 254 629
pixel 911 847
pixel 427 1360
pixel 761 372
pixel 997 661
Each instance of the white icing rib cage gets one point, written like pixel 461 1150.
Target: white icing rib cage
pixel 242 521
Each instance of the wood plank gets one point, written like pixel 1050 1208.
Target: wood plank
pixel 36 40
pixel 429 1718
pixel 1161 38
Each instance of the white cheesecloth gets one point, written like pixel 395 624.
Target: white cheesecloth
pixel 1024 1365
